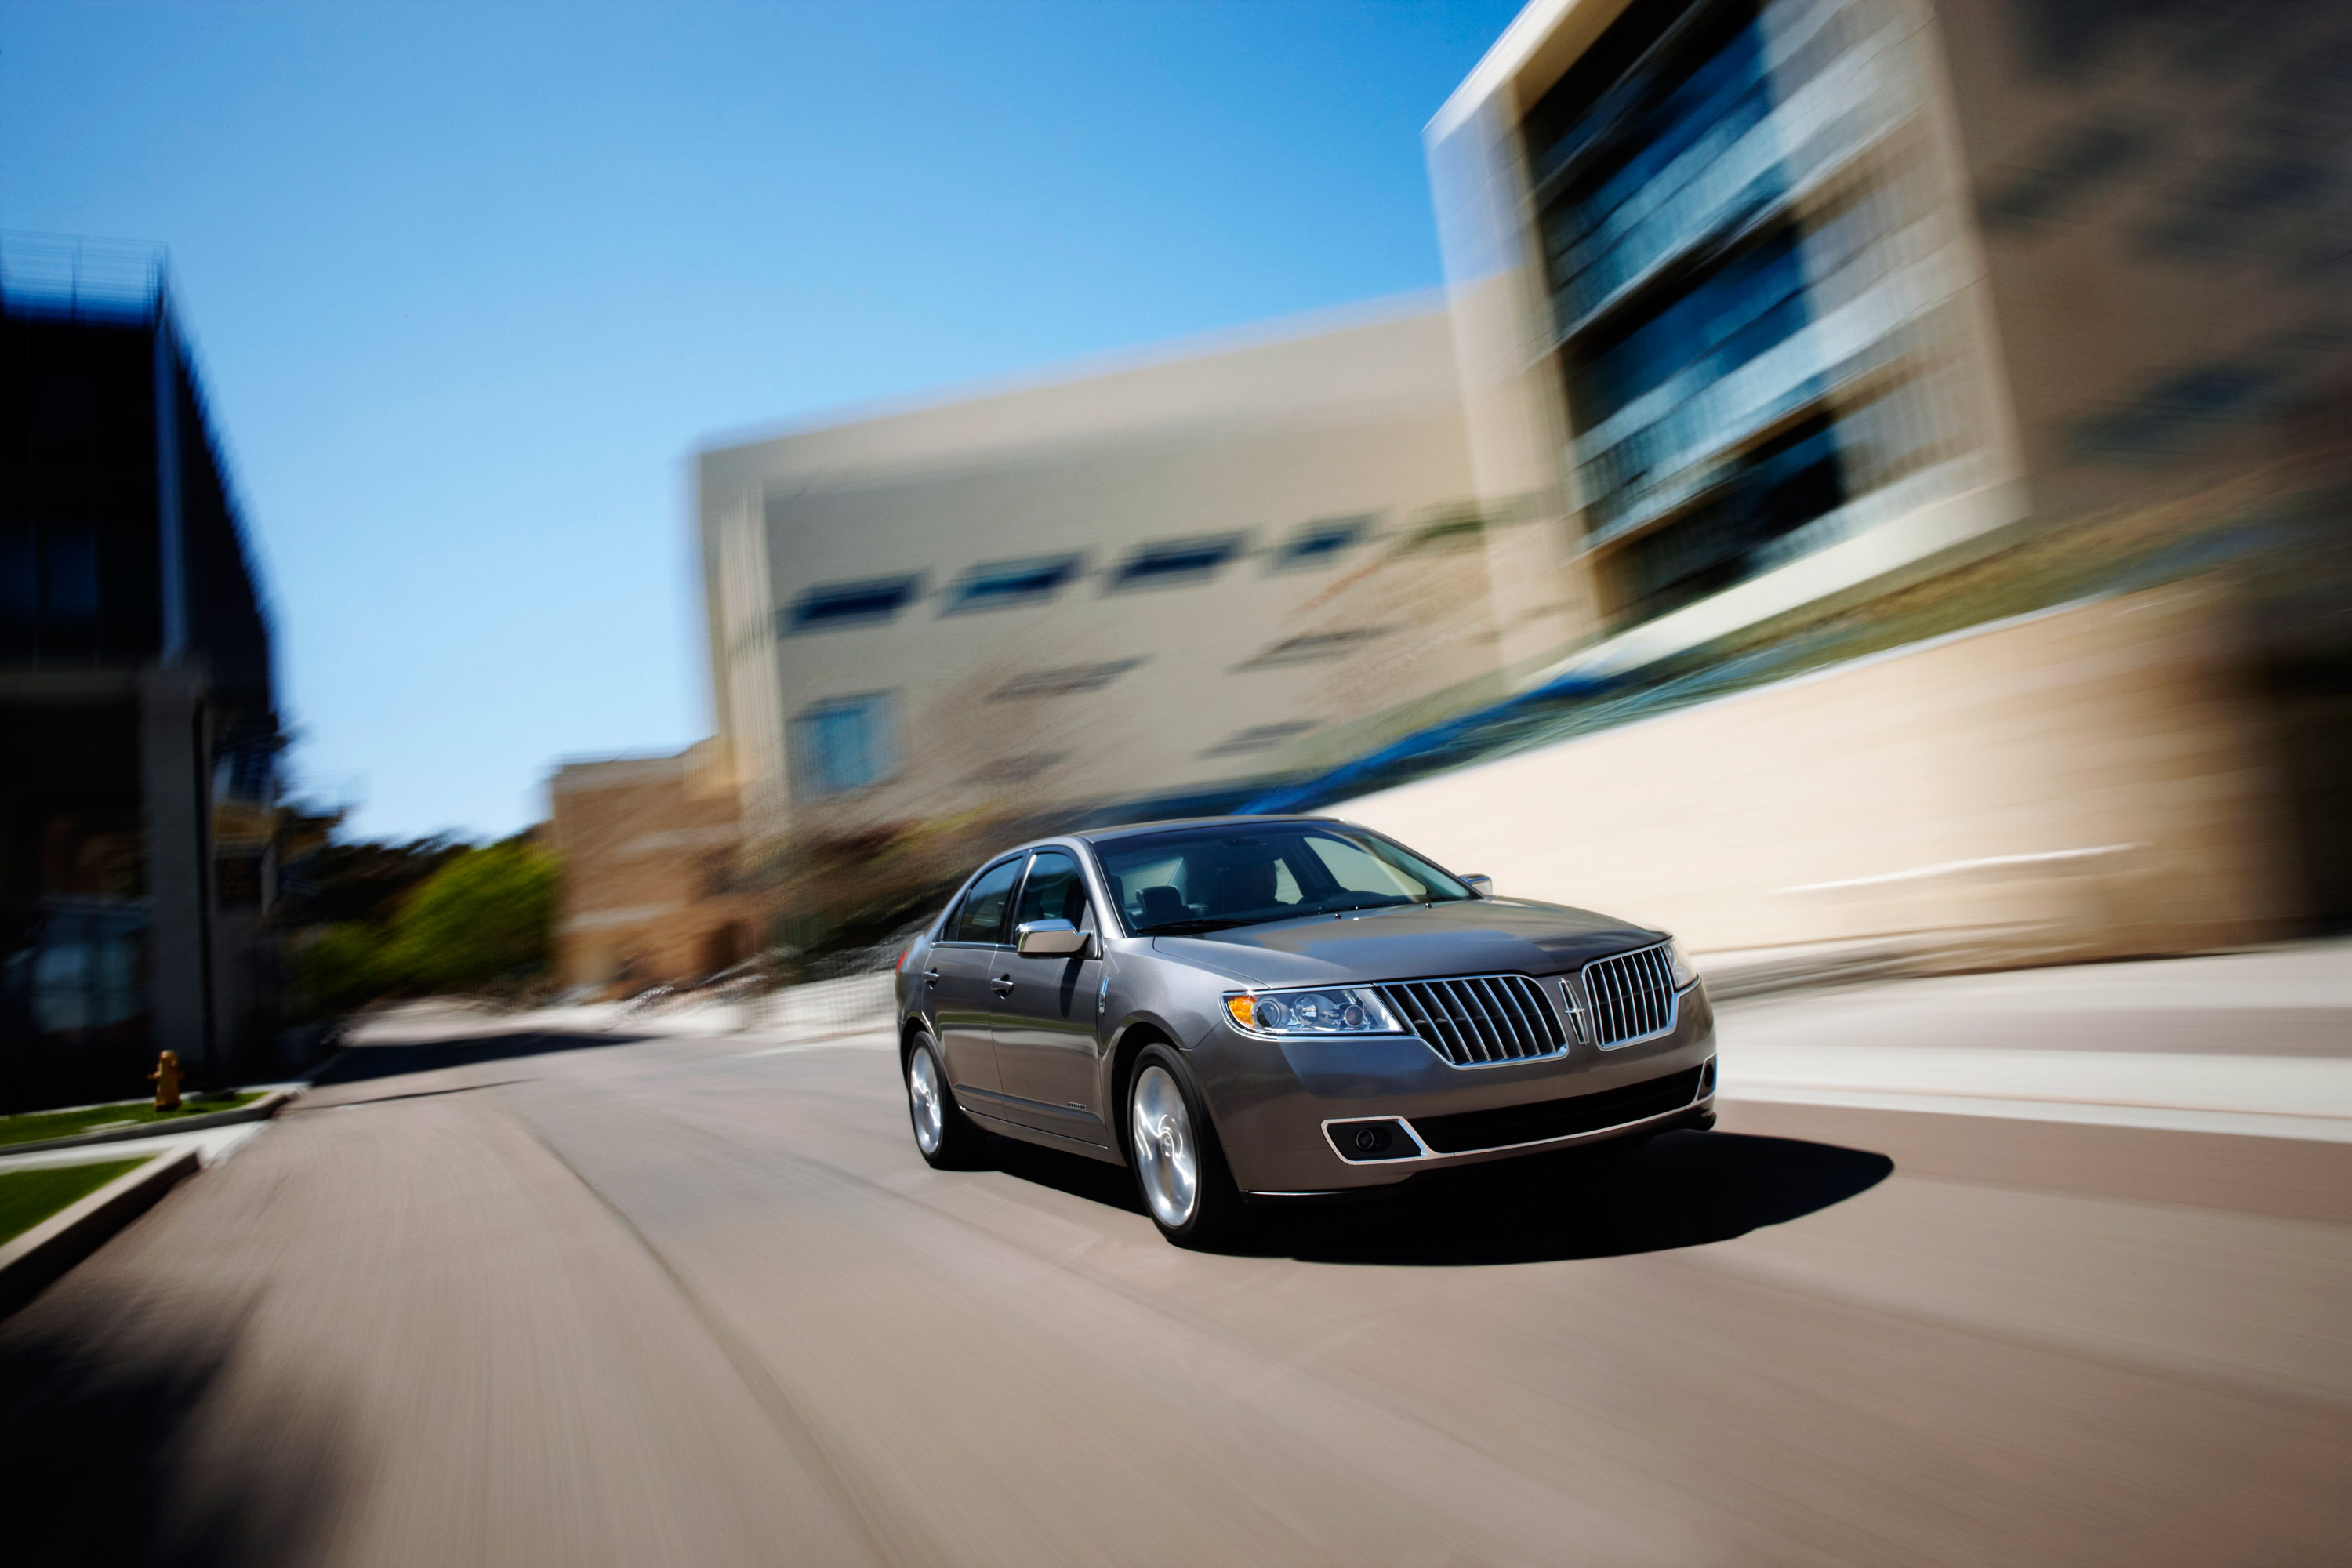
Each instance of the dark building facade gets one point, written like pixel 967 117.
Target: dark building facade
pixel 138 720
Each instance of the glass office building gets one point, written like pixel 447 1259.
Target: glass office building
pixel 1714 292
pixel 139 725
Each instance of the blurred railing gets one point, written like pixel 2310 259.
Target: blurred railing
pixel 845 1005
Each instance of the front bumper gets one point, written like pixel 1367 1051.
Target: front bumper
pixel 1301 1116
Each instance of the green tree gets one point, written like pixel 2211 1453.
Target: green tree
pixel 487 915
pixel 341 967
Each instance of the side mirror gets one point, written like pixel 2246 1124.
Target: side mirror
pixel 1050 939
pixel 1482 886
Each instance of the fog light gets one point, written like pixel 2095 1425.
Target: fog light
pixel 1385 1139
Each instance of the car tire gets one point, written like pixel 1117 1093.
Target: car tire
pixel 947 1139
pixel 1180 1167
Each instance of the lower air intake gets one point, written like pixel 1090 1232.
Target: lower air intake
pixel 1467 1131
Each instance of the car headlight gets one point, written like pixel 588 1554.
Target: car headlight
pixel 1686 972
pixel 1340 1010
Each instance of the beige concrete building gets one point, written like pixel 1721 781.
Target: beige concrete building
pixel 648 847
pixel 1761 302
pixel 2084 782
pixel 1161 579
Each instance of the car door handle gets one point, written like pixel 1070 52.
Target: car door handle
pixel 1003 984
pixel 931 979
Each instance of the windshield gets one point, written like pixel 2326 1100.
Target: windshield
pixel 1192 879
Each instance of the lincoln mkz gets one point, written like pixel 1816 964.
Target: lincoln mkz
pixel 1257 1008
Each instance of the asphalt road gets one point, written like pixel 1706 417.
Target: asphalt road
pixel 527 1297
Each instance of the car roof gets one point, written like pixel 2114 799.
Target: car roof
pixel 1128 829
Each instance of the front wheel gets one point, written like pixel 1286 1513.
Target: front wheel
pixel 1178 1163
pixel 944 1135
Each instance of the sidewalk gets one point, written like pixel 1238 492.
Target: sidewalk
pixel 212 1145
pixel 2253 1042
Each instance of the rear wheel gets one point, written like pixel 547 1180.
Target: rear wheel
pixel 944 1135
pixel 1178 1163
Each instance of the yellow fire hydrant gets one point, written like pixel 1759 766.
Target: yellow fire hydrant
pixel 166 1079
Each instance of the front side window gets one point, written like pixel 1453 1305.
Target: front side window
pixel 842 744
pixel 981 917
pixel 1209 878
pixel 1055 891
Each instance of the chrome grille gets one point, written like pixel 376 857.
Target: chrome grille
pixel 1630 996
pixel 1478 1020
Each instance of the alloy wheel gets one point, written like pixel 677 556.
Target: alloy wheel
pixel 1167 1157
pixel 926 1100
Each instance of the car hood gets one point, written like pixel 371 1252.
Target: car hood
pixel 1471 936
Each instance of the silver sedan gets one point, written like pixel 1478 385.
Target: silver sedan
pixel 1264 1008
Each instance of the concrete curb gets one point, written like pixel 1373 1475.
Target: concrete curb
pixel 261 1110
pixel 29 1264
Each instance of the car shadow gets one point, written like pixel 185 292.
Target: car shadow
pixel 1113 1186
pixel 1676 1190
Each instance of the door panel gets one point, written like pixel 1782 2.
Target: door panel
pixel 1047 1045
pixel 960 1004
pixel 962 1001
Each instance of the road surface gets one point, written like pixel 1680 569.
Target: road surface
pixel 519 1296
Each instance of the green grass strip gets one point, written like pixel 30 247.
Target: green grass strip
pixel 34 1126
pixel 28 1197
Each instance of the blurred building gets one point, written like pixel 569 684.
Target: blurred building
pixel 138 720
pixel 648 845
pixel 1155 584
pixel 1761 302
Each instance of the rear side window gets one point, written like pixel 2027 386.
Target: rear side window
pixel 1055 891
pixel 981 918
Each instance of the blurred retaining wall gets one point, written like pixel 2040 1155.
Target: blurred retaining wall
pixel 852 1002
pixel 2084 781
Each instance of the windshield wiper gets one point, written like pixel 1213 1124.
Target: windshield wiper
pixel 1383 902
pixel 1190 928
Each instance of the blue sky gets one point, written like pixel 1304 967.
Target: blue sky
pixel 470 282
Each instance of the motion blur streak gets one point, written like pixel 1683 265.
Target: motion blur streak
pixel 506 1294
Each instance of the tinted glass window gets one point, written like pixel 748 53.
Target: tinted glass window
pixel 1177 560
pixel 1320 542
pixel 1063 682
pixel 983 916
pixel 842 744
pixel 850 604
pixel 1007 583
pixel 1207 879
pixel 1055 891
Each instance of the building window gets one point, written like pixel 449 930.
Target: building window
pixel 1318 543
pixel 1004 584
pixel 1062 682
pixel 20 574
pixel 50 573
pixel 1311 647
pixel 1645 143
pixel 1177 562
pixel 1256 738
pixel 69 574
pixel 1746 526
pixel 833 604
pixel 1446 528
pixel 844 743
pixel 1753 303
